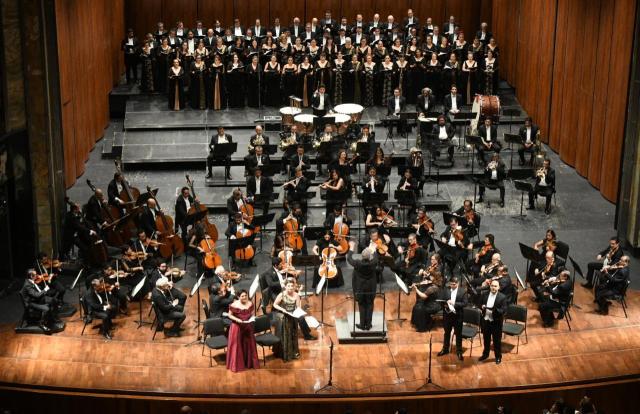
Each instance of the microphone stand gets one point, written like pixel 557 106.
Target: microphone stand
pixel 428 382
pixel 329 385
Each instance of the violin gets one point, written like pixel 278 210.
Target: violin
pixel 211 258
pixel 485 249
pixel 387 219
pixel 381 247
pixel 328 268
pixel 172 245
pixel 410 254
pixel 470 216
pixel 427 223
pixel 458 234
pixel 116 274
pixel 292 239
pixel 175 273
pixel 51 264
pixel 230 277
pixel 40 278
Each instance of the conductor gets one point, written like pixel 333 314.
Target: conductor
pixel 364 283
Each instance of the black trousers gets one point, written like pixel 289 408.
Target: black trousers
pixel 365 306
pixel 211 159
pixel 131 67
pixel 45 311
pixel 547 307
pixel 452 321
pixel 177 318
pixel 546 192
pixel 107 319
pixel 530 150
pixel 500 185
pixel 481 149
pixel 492 330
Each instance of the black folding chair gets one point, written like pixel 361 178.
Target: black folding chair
pixel 87 316
pixel 622 298
pixel 264 336
pixel 158 321
pixel 214 338
pixel 471 319
pixel 517 314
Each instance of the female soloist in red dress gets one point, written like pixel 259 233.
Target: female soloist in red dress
pixel 241 352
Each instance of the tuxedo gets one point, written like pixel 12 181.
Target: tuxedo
pixel 199 33
pixel 210 43
pixel 265 187
pixel 453 320
pixel 492 318
pixel 315 103
pixel 251 161
pixel 113 193
pixel 94 210
pixel 96 304
pixel 298 193
pixel 416 23
pixel 592 267
pixel 449 28
pixel 487 37
pixel 364 286
pixel 215 140
pixel 378 185
pixel 436 137
pixel 425 104
pixel 546 191
pixel 615 283
pixel 258 32
pixel 560 295
pixel 448 102
pixel 296 31
pixel 169 311
pixel 331 220
pixel 532 139
pixel 147 221
pixel 494 144
pixel 295 160
pixel 131 46
pixel 492 178
pixel 391 105
pixel 182 210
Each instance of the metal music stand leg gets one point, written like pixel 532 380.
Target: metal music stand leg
pixel 322 295
pixel 140 321
pixel 398 318
pixel 199 339
pixel 428 382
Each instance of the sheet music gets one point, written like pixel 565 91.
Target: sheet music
pixel 138 286
pixel 320 285
pixel 254 286
pixel 401 283
pixel 298 312
pixel 312 322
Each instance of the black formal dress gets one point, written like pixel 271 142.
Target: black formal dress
pixel 198 96
pixel 424 308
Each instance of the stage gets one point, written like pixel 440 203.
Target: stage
pixel 598 348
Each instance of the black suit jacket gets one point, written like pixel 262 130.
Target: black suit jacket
pixel 615 257
pixel 420 103
pixel 617 280
pixel 30 293
pixel 315 101
pixel 435 130
pixel 550 179
pixel 163 303
pixel 391 105
pixel 181 209
pixel 147 222
pixel 273 282
pixel 500 306
pixel 252 161
pixel 448 102
pixel 232 207
pixel 460 303
pixel 298 192
pixel 112 192
pixel 292 30
pixel 215 139
pixel 331 218
pixel 482 131
pixel 523 133
pixel 94 210
pixel 266 185
pixel 378 186
pixel 501 172
pixel 93 303
pixel 295 160
pixel 416 22
pixel 364 276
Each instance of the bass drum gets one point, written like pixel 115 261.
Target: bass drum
pixel 489 106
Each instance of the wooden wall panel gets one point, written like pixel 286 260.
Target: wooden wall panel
pixel 250 10
pixel 89 67
pixel 396 8
pixel 142 15
pixel 433 9
pixel 211 10
pixel 316 8
pixel 351 8
pixel 286 10
pixel 185 10
pixel 467 14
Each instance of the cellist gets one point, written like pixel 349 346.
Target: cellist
pixel 293 230
pixel 327 240
pixel 237 229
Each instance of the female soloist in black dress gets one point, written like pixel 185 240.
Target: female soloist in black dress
pixel 235 82
pixel 217 92
pixel 254 82
pixel 175 86
pixel 197 86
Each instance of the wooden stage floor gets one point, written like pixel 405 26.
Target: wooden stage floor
pixel 598 347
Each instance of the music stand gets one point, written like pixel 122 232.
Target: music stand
pixel 262 221
pixel 462 118
pixel 306 261
pixel 400 232
pixel 523 187
pixel 578 270
pixel 512 139
pixel 404 118
pixel 473 140
pixel 531 255
pixel 270 149
pixel 134 293
pixel 510 112
pixel 389 122
pixel 195 290
pixel 402 287
pixel 405 198
pixel 237 244
pixel 222 151
pixel 262 200
pixel 269 170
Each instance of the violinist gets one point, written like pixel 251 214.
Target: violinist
pixel 111 280
pixel 427 292
pixel 145 247
pixel 435 266
pixel 456 243
pixel 299 160
pixel 221 138
pixel 613 284
pixel 326 241
pixel 373 183
pixel 99 301
pixel 183 204
pixel 494 175
pixel 255 160
pixel 469 217
pixel 168 305
pixel 48 266
pixel 543 272
pixel 131 265
pixel 548 243
pixel 147 218
pixel 41 299
pixel 504 283
pixel 486 250
pixel 297 187
pixel 424 228
pixel 222 295
pixel 607 257
pixel 411 260
pixel 114 189
pixel 343 165
pixel 380 219
pixel 545 186
pixel 162 271
pixel 555 296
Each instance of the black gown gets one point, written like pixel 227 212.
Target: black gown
pixel 323 75
pixel 198 98
pixel 368 78
pixel 272 95
pixel 254 79
pixel 421 314
pixel 163 62
pixel 306 83
pixel 469 82
pixel 175 91
pixel 236 86
pixel 289 84
pixel 352 86
pixel 339 83
pixel 450 76
pixel 216 89
pixel 416 77
pixel 433 79
pixel 148 80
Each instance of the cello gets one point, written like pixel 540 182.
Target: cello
pixel 171 245
pixel 247 211
pixel 328 267
pixel 340 232
pixel 115 237
pixel 197 208
pixel 243 253
pixel 211 258
pixel 129 195
pixel 292 238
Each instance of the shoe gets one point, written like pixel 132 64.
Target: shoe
pixel 460 357
pixel 502 203
pixel 605 311
pixel 480 199
pixel 209 175
pixel 359 326
pixel 531 208
pixel 173 334
pixel 45 329
pixel 521 162
pixel 296 356
pixel 107 336
pixel 498 360
pixel 587 285
pixel 483 357
pixel 443 352
pixel 310 338
pixel 367 328
pixel 547 211
pixel 229 176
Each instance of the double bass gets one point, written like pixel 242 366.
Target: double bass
pixel 340 232
pixel 199 208
pixel 97 253
pixel 116 235
pixel 171 244
pixel 129 195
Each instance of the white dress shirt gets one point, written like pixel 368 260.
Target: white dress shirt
pixel 443 133
pixel 397 105
pixel 528 135
pixel 488 312
pixel 454 293
pixel 454 102
pixel 187 203
pixel 321 104
pixel 258 185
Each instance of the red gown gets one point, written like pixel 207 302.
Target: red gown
pixel 241 350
